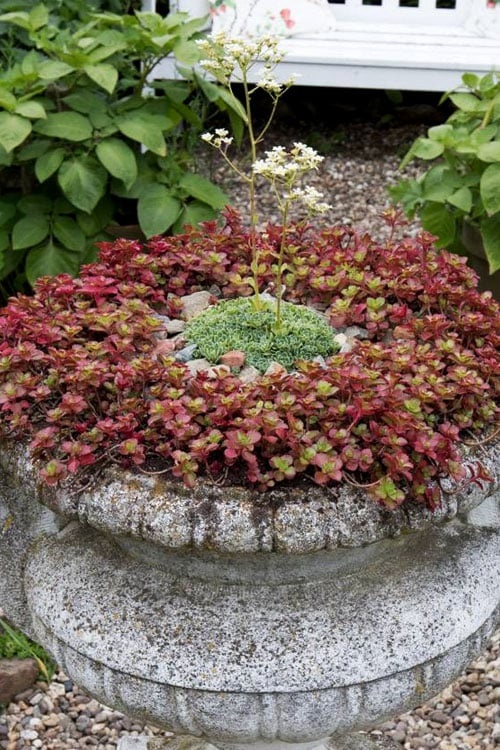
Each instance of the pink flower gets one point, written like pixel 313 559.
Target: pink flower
pixel 286 15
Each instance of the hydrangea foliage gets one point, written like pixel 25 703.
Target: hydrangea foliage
pixel 78 377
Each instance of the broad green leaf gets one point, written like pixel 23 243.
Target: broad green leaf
pixel 470 79
pixel 52 70
pixel 439 183
pixel 462 199
pixel 210 89
pixel 157 210
pixel 30 63
pixel 7 212
pixel 237 126
pixel 91 253
pixel 466 147
pixel 12 261
pixel 18 18
pixel 69 234
pixel 442 133
pixel 146 177
pixel 186 52
pixel 5 158
pixel 489 152
pixel 85 102
pixel 193 214
pixel 487 83
pixel 408 193
pixel 424 148
pixel 29 231
pixel 69 126
pixel 35 204
pixel 103 52
pixel 490 231
pixel 34 149
pixel 490 188
pixel 484 135
pixel 140 128
pixel 7 100
pixel 232 103
pixel 438 220
pixel 48 163
pixel 467 102
pixel 62 206
pixel 4 240
pixel 13 130
pixel 106 76
pixel 100 217
pixel 118 159
pixel 38 17
pixel 50 260
pixel 204 190
pixel 103 122
pixel 33 110
pixel 216 93
pixel 83 182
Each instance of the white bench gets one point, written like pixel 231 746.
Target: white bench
pixel 422 45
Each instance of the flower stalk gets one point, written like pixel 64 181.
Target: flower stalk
pixel 230 61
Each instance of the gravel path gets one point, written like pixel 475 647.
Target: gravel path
pixel 359 164
pixel 465 716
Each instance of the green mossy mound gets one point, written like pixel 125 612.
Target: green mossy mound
pixel 235 324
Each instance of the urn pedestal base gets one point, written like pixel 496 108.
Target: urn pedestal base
pixel 202 644
pixel 352 742
pixel 268 630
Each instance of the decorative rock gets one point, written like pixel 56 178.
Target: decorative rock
pixel 29 734
pixel 163 348
pixel 194 304
pixel 143 742
pixel 186 354
pixel 347 338
pixel 16 675
pixel 198 365
pixel 355 332
pixel 249 374
pixel 275 369
pixel 218 371
pixel 365 742
pixel 175 326
pixel 234 358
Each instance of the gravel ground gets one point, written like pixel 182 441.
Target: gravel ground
pixel 465 716
pixel 360 160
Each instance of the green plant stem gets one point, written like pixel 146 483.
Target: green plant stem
pixel 488 114
pixel 252 196
pixel 279 268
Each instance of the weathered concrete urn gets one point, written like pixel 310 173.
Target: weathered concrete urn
pixel 288 620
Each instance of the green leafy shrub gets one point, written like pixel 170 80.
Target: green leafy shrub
pixel 63 14
pixel 85 144
pixel 463 184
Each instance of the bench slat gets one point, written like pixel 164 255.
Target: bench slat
pixel 399 50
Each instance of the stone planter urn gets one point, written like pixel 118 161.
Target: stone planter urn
pixel 247 620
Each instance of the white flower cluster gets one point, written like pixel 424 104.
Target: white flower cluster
pixel 227 58
pixel 286 166
pixel 311 198
pixel 220 139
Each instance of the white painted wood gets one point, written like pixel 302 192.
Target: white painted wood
pixel 386 46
